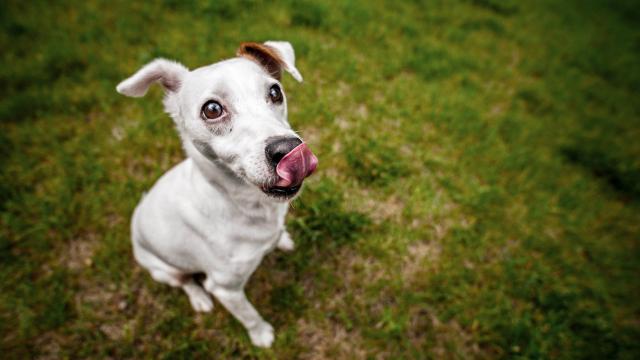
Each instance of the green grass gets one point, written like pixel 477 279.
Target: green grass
pixel 477 197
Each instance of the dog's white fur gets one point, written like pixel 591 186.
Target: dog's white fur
pixel 208 214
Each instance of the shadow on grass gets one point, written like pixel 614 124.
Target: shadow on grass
pixel 319 224
pixel 504 8
pixel 620 174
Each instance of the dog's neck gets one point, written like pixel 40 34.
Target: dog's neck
pixel 244 195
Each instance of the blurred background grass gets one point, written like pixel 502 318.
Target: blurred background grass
pixel 477 196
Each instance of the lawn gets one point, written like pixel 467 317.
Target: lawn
pixel 478 194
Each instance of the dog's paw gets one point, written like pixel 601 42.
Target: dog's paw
pixel 262 335
pixel 201 302
pixel 285 243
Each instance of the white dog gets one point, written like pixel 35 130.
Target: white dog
pixel 223 208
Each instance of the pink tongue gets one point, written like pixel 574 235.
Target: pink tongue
pixel 295 166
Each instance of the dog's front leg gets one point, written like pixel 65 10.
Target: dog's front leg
pixel 285 242
pixel 236 302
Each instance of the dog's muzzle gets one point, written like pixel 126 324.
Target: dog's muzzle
pixel 293 162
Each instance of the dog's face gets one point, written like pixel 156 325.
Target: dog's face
pixel 235 112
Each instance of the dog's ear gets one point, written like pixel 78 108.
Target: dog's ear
pixel 168 73
pixel 274 56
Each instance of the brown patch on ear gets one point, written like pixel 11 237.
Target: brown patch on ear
pixel 264 55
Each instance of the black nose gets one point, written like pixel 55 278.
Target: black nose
pixel 278 147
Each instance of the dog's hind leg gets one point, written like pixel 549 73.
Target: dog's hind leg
pixel 162 272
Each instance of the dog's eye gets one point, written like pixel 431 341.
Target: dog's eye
pixel 212 110
pixel 275 94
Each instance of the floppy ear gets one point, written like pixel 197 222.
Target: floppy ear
pixel 274 56
pixel 168 73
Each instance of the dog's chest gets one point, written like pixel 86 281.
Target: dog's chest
pixel 249 234
pixel 245 244
pixel 256 233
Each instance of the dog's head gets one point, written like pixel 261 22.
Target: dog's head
pixel 234 112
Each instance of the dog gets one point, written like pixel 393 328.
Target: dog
pixel 222 209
